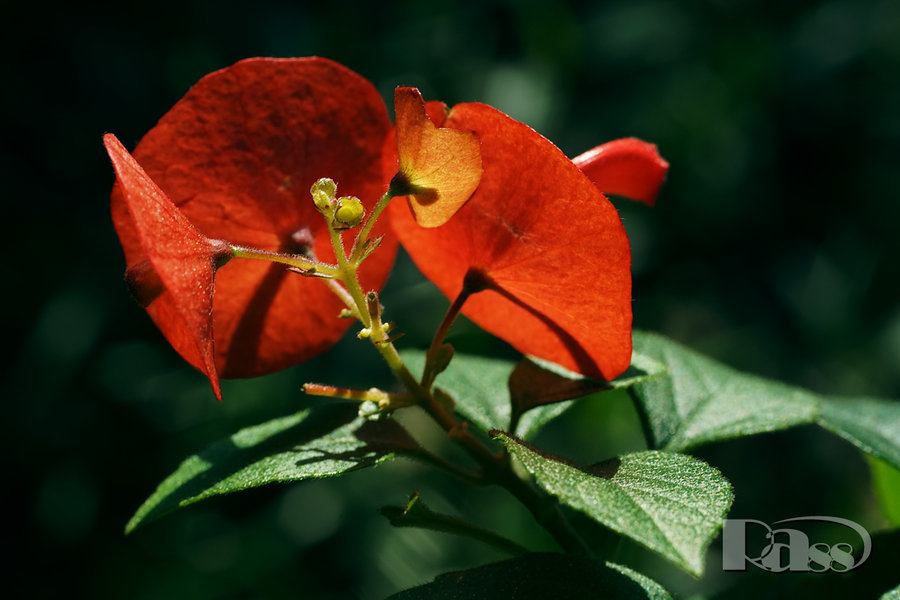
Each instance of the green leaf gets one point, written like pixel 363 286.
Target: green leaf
pixel 886 481
pixel 540 576
pixel 870 424
pixel 672 503
pixel 699 400
pixel 417 514
pixel 310 444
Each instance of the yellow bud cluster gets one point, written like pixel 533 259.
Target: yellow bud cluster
pixel 349 212
pixel 323 192
pixel 342 213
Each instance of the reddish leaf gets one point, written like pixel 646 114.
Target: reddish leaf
pixel 180 261
pixel 237 155
pixel 531 385
pixel 628 167
pixel 442 166
pixel 545 243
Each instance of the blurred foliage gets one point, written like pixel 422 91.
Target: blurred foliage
pixel 773 248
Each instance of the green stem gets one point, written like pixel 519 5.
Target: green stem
pixel 363 235
pixel 370 395
pixel 416 514
pixel 308 265
pixel 543 508
pixel 342 293
pixel 431 372
pixel 495 467
pixel 347 275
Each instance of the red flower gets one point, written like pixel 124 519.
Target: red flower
pixel 176 277
pixel 237 155
pixel 544 247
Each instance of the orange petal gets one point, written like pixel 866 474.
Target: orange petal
pixel 182 259
pixel 238 155
pixel 548 245
pixel 442 167
pixel 627 167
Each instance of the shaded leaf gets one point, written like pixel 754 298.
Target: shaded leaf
pixel 531 421
pixel 540 576
pixel 672 503
pixel 531 385
pixel 478 384
pixel 870 424
pixel 310 444
pixel 699 400
pixel 526 395
pixel 417 514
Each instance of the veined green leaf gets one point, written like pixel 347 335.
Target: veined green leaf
pixel 700 400
pixel 310 444
pixel 540 576
pixel 672 503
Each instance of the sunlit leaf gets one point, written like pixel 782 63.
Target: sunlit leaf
pixel 672 503
pixel 699 400
pixel 310 444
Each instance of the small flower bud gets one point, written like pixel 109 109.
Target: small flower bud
pixel 323 192
pixel 349 212
pixel 322 201
pixel 325 186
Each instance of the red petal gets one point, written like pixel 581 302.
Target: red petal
pixel 628 167
pixel 550 242
pixel 182 258
pixel 442 165
pixel 238 155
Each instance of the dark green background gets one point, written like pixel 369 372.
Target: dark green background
pixel 774 247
